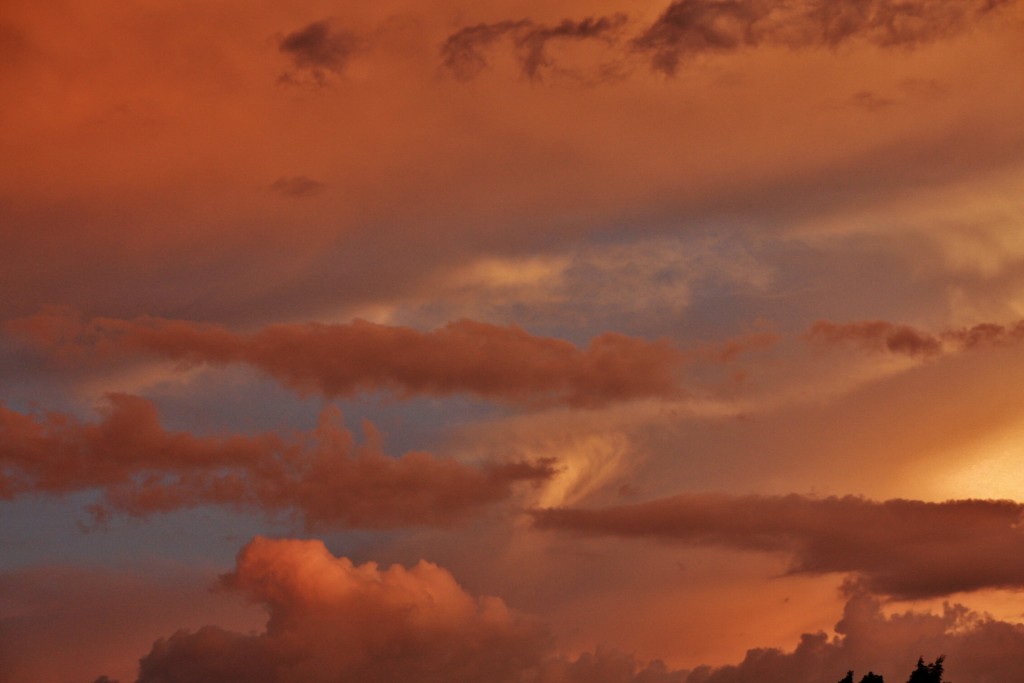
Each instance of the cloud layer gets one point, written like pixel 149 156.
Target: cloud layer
pixel 903 548
pixel 324 478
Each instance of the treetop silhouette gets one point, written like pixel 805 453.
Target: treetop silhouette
pixel 924 673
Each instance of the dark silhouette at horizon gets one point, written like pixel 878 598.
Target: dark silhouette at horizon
pixel 923 673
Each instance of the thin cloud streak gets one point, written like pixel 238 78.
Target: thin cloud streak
pixel 884 336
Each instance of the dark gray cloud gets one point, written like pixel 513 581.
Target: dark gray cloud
pixel 319 49
pixel 691 27
pixel 902 548
pixel 464 51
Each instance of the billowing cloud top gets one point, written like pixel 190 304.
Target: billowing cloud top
pixel 332 620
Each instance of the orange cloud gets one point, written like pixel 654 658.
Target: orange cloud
pixel 491 361
pixel 903 548
pixel 331 620
pixel 323 477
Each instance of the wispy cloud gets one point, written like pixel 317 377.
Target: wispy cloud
pixel 463 52
pixel 688 28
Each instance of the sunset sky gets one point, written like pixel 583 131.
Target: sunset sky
pixel 507 341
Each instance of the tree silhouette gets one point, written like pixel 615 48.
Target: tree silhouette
pixel 924 673
pixel 869 677
pixel 927 673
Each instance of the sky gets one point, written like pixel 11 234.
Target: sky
pixel 672 341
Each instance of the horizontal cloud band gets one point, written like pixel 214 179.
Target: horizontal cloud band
pixel 902 548
pixel 323 477
pixel 497 362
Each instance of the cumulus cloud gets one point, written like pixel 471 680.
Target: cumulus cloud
pixel 331 620
pixel 884 336
pixel 901 548
pixel 319 49
pixel 463 52
pixel 978 648
pixel 505 363
pixel 691 27
pixel 324 477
